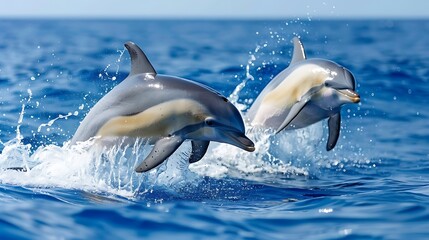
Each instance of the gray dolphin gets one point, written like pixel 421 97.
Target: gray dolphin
pixel 166 110
pixel 307 91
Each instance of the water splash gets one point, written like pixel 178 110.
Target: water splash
pixel 275 155
pixel 108 168
pixel 15 148
pixel 117 65
pixel 51 122
pixel 91 167
pixel 234 96
pixel 21 115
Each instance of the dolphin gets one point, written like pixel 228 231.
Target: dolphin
pixel 307 91
pixel 166 110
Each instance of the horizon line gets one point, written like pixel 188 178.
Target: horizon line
pixel 214 18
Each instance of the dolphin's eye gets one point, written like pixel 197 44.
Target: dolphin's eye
pixel 328 84
pixel 335 84
pixel 224 99
pixel 209 122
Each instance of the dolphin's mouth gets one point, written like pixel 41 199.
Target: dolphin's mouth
pixel 352 95
pixel 239 140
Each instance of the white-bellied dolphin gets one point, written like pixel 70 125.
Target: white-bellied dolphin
pixel 307 91
pixel 166 110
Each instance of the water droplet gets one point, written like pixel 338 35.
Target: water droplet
pixel 32 78
pixel 346 231
pixel 326 210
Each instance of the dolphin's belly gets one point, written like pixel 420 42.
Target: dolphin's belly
pixel 157 121
pixel 271 118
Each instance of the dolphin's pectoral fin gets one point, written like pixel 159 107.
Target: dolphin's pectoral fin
pixel 298 106
pixel 334 124
pixel 199 148
pixel 161 151
pixel 293 113
pixel 298 51
pixel 139 61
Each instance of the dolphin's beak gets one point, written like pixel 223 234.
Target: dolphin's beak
pixel 238 139
pixel 350 95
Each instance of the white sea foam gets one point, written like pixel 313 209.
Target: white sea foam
pixel 91 167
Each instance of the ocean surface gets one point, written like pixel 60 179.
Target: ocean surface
pixel 373 185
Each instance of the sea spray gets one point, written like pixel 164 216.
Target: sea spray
pixel 91 167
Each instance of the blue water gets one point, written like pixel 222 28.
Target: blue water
pixel 373 185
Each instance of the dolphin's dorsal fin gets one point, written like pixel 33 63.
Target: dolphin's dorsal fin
pixel 298 51
pixel 139 61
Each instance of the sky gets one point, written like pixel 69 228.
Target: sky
pixel 214 9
